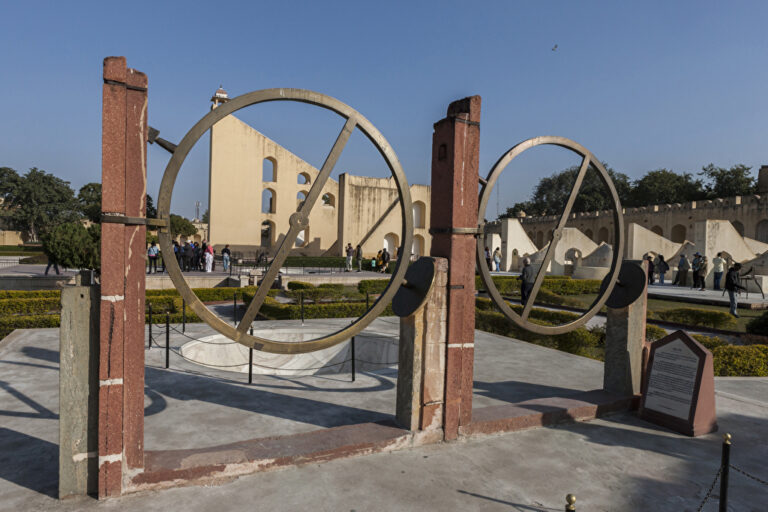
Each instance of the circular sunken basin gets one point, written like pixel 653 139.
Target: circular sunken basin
pixel 372 352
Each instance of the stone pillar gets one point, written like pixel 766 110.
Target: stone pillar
pixel 421 371
pixel 78 391
pixel 762 180
pixel 624 342
pixel 121 358
pixel 455 164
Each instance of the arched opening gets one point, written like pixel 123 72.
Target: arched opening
pixel 539 239
pixel 419 213
pixel 329 200
pixel 417 249
pixel 678 233
pixel 589 234
pixel 658 230
pixel 300 198
pixel 761 232
pixel 301 238
pixel 269 169
pixel 268 201
pixel 267 232
pixel 391 243
pixel 738 226
pixel 573 256
pixel 602 235
pixel 303 178
pixel 515 260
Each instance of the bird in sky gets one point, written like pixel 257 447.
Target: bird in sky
pixel 554 48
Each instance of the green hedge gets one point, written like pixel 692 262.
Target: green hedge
pixel 207 294
pixel 741 361
pixel 759 325
pixel 31 306
pixel 9 323
pixel 560 285
pixel 709 342
pixel 372 286
pixel 20 294
pixel 273 310
pixel 654 332
pixel 315 261
pixel 698 317
pixel 300 285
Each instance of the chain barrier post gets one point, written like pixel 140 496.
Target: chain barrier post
pixel 234 310
pixel 301 299
pixel 167 339
pixel 353 359
pixel 183 315
pixel 250 362
pixel 367 307
pixel 725 465
pixel 570 503
pixel 149 345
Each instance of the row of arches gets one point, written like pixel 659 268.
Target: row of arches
pixel 269 172
pixel 269 200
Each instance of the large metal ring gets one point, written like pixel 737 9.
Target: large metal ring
pixel 618 247
pixel 353 119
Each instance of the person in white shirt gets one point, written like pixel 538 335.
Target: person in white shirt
pixel 718 265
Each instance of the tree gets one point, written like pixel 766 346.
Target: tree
pixel 36 202
pixel 181 226
pixel 206 217
pixel 89 201
pixel 73 245
pixel 151 210
pixel 663 187
pixel 551 193
pixel 723 182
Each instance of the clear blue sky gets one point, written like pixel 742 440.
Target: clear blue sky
pixel 643 84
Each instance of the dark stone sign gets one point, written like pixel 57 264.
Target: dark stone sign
pixel 679 386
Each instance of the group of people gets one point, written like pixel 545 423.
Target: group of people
pixel 493 260
pixel 378 264
pixel 190 256
pixel 699 267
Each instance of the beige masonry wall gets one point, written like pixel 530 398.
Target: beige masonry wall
pixel 356 210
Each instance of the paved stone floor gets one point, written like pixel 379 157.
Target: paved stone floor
pixel 613 463
pixel 708 296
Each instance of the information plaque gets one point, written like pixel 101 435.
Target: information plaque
pixel 679 386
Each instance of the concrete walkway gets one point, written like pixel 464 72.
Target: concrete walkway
pixel 608 463
pixel 753 300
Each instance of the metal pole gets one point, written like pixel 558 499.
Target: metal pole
pixel 353 359
pixel 167 339
pixel 301 299
pixel 570 503
pixel 250 362
pixel 183 315
pixel 367 307
pixel 234 311
pixel 149 345
pixel 725 465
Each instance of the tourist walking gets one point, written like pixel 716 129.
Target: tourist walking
pixel 208 255
pixel 488 258
pixel 682 270
pixel 651 268
pixel 497 259
pixel 52 263
pixel 703 264
pixel 527 277
pixel 377 261
pixel 152 253
pixel 695 268
pixel 385 257
pixel 350 254
pixel 359 256
pixel 718 264
pixel 662 268
pixel 733 285
pixel 226 254
pixel 189 256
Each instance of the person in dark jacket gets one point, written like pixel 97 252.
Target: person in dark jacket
pixel 527 278
pixel 385 258
pixel 189 256
pixel 359 257
pixel 651 268
pixel 662 268
pixel 733 285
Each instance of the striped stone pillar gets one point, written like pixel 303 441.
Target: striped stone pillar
pixel 121 354
pixel 455 189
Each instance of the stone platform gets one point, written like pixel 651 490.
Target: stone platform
pixel 608 463
pixel 752 300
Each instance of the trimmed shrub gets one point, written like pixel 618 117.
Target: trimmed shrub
pixel 20 294
pixel 331 286
pixel 9 323
pixel 300 285
pixel 372 286
pixel 741 361
pixel 759 325
pixel 273 310
pixel 561 285
pixel 698 317
pixel 32 306
pixel 654 332
pixel 709 342
pixel 162 304
pixel 315 261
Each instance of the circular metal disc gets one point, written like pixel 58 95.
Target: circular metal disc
pixel 618 221
pixel 629 287
pixel 353 120
pixel 414 291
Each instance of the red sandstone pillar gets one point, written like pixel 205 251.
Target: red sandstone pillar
pixel 121 357
pixel 455 178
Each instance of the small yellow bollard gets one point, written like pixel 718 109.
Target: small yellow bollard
pixel 570 503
